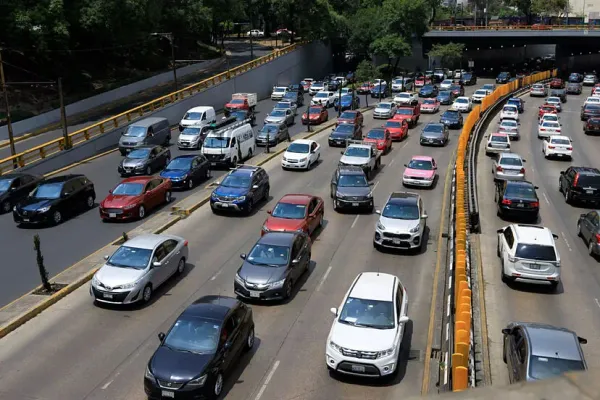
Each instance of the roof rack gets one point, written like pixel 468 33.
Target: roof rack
pixel 231 126
pixel 222 123
pixel 245 166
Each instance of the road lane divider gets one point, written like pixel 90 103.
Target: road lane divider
pixel 28 306
pixel 465 222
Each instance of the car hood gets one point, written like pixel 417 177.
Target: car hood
pixel 354 191
pixel 428 106
pixel 378 142
pixel 449 119
pixel 111 276
pixel 191 138
pixel 178 366
pixel 33 204
pixel 230 192
pixel 173 173
pixel 401 117
pixel 420 173
pixel 133 139
pixel 354 160
pixel 360 338
pixel 382 110
pixel 340 135
pixel 118 201
pixel 283 224
pixel 261 274
pixel 394 225
pixel 271 120
pixel 441 97
pixel 295 156
pixel 432 135
pixel 133 162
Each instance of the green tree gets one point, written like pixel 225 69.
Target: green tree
pixel 448 53
pixel 40 263
pixel 392 47
pixel 365 71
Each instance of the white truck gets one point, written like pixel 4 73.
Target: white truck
pixel 242 101
pixel 230 145
pixel 362 154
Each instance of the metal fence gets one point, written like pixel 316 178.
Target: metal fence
pixel 539 27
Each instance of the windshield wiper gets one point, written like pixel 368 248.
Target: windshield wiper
pixel 371 326
pixel 267 264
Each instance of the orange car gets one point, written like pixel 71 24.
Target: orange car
pixel 381 137
pixel 398 128
pixel 315 116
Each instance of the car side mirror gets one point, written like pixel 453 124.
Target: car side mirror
pixel 582 340
pixel 243 256
pixel 582 215
pixel 217 182
pixel 406 165
pixel 110 191
pixel 106 257
pixel 523 160
pixel 501 230
pixel 424 216
pixel 341 152
pixel 161 336
pixel 66 194
pixel 555 236
pixel 269 212
pixel 334 311
pixel 403 319
pixel 156 264
pixel 536 187
pixel 295 261
pixel 562 172
pixel 506 331
pixel 254 186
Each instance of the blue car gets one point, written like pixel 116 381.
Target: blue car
pixel 428 91
pixel 452 119
pixel 348 102
pixel 241 190
pixel 519 103
pixel 380 90
pixel 186 171
pixel 445 97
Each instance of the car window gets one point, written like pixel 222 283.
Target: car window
pixel 595 219
pixel 157 182
pixel 68 187
pixel 228 328
pixel 520 346
pixel 160 253
pixel 170 245
pixel 510 238
pixel 297 247
pixel 312 206
pixel 399 295
pixel 535 252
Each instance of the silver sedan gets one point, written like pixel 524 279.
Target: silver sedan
pixel 280 116
pixel 509 167
pixel 510 127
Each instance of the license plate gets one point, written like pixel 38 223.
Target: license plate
pixel 166 393
pixel 358 368
pixel 354 204
pixel 213 163
pixel 589 192
pixel 112 215
pixel 520 205
pixel 127 150
pixel 396 241
pixel 224 205
pixel 25 219
pixel 534 266
pixel 254 294
pixel 107 296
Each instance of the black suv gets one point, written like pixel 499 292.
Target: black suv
pixel 350 189
pixel 503 77
pixel 54 198
pixel 14 187
pixel 294 96
pixel 580 184
pixel 344 132
pixel 517 199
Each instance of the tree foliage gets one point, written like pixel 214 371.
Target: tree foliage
pixel 529 8
pixel 365 71
pixel 448 53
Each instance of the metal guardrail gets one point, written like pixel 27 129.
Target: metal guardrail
pixel 515 27
pixel 57 145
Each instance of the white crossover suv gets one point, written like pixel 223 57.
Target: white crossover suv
pixel 401 223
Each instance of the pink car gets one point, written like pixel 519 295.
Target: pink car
pixel 420 171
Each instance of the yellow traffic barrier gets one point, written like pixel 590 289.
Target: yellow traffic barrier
pixel 460 379
pixel 462 336
pixel 458 360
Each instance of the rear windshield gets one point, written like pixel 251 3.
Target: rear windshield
pixel 520 191
pixel 550 367
pixel 501 139
pixel 588 180
pixel 512 161
pixel 535 252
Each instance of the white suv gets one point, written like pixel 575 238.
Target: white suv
pixel 366 335
pixel 402 222
pixel 528 253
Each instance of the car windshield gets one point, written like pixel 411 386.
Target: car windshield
pixel 237 181
pixel 216 142
pixel 357 152
pixel 521 191
pixel 344 128
pixel 450 114
pixel 511 109
pixel 511 124
pixel 426 88
pixel 548 109
pixel 301 148
pixel 500 139
pixel 535 252
pixel 269 255
pixel 353 181
pixel 593 100
pixel 289 211
pixel 511 161
pixel 550 367
pixel 454 87
pixel 462 101
pixel 368 313
pixel 376 134
pixel 48 191
pixel 588 181
pixel 429 101
pixel 346 98
pixel 139 154
pixel 560 141
pixel 393 124
pixel 280 89
pixel 404 95
pixel 398 81
pixel 401 211
pixel 194 116
pixel 277 113
pixel 488 86
pixel 5 184
pixel 447 82
pixel 445 93
pixel 433 129
pixel 384 105
pixel 191 131
pixel 237 101
pixel 239 115
pixel 592 107
pixel 404 111
pixel 481 92
pixel 425 165
pixel 321 95
pixel 553 100
pixel 538 86
pixel 130 257
pixel 180 163
pixel 283 105
pixel 135 131
pixel 515 103
pixel 128 189
pixel 315 110
pixel 550 124
pixel 194 335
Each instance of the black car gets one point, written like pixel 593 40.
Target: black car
pixel 517 199
pixel 54 198
pixel 333 85
pixel 296 88
pixel 575 78
pixel 343 132
pixel 452 119
pixel 592 126
pixel 428 91
pixel 380 91
pixel 15 187
pixel 434 135
pixel 294 97
pixel 560 93
pixel 588 229
pixel 503 77
pixel 242 115
pixel 446 97
pixel 187 170
pixel 200 348
pixel 580 184
pixel 350 189
pixel 274 265
pixel 574 88
pixel 144 160
pixel 590 110
pixel 469 79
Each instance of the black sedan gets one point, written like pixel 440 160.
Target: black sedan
pixel 446 97
pixel 342 133
pixel 452 119
pixel 273 266
pixel 144 160
pixel 187 170
pixel 380 91
pixel 517 199
pixel 15 187
pixel 200 348
pixel 469 79
pixel 54 198
pixel 428 91
pixel 588 228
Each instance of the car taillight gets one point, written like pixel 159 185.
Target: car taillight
pixel 598 238
pixel 551 147
pixel 185 243
pixel 558 130
pixel 506 202
pixel 575 180
pixel 569 148
pixel 522 170
pixel 535 204
pixel 543 129
pixel 499 168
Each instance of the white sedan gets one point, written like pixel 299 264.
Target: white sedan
pixel 446 84
pixel 406 98
pixel 549 117
pixel 557 146
pixel 548 128
pixel 462 104
pixel 255 33
pixel 301 154
pixel 592 100
pixel 509 112
pixel 554 101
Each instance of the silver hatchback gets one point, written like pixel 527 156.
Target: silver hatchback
pixel 138 268
pixel 509 167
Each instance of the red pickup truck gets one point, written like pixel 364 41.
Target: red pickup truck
pixel 409 113
pixel 242 101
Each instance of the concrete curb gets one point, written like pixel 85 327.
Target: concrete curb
pixel 38 308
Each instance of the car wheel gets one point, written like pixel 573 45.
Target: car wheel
pixel 168 196
pixel 249 207
pixel 567 193
pixel 503 275
pixel 591 248
pixel 89 202
pixel 190 184
pixel 234 162
pixel 553 285
pixel 181 266
pixel 288 289
pixel 321 220
pixel 141 212
pixel 56 217
pixel 147 293
pixel 249 153
pixel 6 207
pixel 218 386
pixel 148 170
pixel 250 339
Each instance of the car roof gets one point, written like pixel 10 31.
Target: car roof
pixel 199 109
pixel 422 158
pixel 212 307
pixel 278 238
pixel 138 179
pixel 552 342
pixel 533 234
pixel 147 241
pixel 403 198
pixel 560 137
pixel 303 141
pixel 146 122
pixel 296 199
pixel 350 170
pixel 374 286
pixel 587 170
pixel 62 178
pixel 14 175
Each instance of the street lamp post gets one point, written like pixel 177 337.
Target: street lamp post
pixel 11 138
pixel 170 38
pixel 308 117
pixel 340 100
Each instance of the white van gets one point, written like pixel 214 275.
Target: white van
pixel 198 117
pixel 230 145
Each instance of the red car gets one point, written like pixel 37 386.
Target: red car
pixel 134 197
pixel 353 117
pixel 557 83
pixel 295 212
pixel 398 128
pixel 409 114
pixel 595 89
pixel 547 109
pixel 430 106
pixel 316 115
pixel 381 137
pixel 365 88
pixel 422 81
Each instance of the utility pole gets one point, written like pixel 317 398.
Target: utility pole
pixel 11 138
pixel 170 38
pixel 63 116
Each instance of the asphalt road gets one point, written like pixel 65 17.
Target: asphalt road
pixel 101 353
pixel 240 54
pixel 576 303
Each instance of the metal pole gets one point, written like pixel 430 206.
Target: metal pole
pixel 268 140
pixel 251 42
pixel 308 117
pixel 171 40
pixel 11 138
pixel 340 100
pixel 63 116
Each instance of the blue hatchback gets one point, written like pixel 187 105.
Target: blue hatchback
pixel 241 189
pixel 186 171
pixel 515 101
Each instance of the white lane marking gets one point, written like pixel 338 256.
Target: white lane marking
pixel 448 307
pixel 450 282
pixel 216 275
pixel 404 145
pixel 264 386
pixel 106 385
pixel 354 222
pixel 546 198
pixel 447 330
pixel 322 281
pixel 375 185
pixel 445 368
pixel 597 302
pixel 391 162
pixel 566 242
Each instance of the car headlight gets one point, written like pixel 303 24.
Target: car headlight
pixel 130 206
pixel 386 353
pixel 241 198
pixel 95 281
pixel 339 195
pixel 408 119
pixel 265 229
pixel 128 285
pixel 213 195
pixel 239 279
pixel 15 208
pixel 148 374
pixel 380 226
pixel 198 381
pixel 370 195
pixel 335 347
pixel 44 209
pixel 415 229
pixel 277 284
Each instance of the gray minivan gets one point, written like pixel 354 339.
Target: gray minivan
pixel 147 131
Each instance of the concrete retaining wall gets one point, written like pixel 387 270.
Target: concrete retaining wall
pixel 50 117
pixel 312 60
